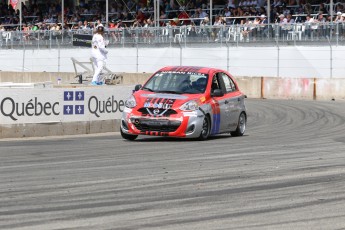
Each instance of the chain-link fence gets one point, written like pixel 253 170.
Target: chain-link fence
pixel 233 35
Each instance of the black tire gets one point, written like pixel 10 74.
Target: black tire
pixel 128 136
pixel 206 129
pixel 241 126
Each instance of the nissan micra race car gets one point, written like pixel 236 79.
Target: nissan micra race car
pixel 186 102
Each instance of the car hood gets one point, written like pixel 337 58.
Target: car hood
pixel 163 100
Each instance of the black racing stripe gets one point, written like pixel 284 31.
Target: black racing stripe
pixel 154 100
pixel 160 100
pixel 195 69
pixel 178 69
pixel 185 69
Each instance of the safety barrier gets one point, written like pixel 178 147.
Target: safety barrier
pixel 27 112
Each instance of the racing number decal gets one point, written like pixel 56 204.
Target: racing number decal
pixel 159 103
pixel 216 117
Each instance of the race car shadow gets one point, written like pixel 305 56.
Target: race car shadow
pixel 176 139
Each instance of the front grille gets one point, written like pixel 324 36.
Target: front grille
pixel 157 125
pixel 161 113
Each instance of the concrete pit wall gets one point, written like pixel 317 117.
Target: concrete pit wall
pixel 59 129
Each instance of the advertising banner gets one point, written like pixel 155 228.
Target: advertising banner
pixel 84 40
pixel 20 106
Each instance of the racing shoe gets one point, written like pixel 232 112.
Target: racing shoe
pixel 94 83
pixel 100 83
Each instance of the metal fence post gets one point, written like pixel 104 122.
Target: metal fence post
pixel 123 38
pixel 50 40
pixel 137 58
pixel 57 42
pixel 330 58
pixel 184 37
pixel 180 54
pixel 238 36
pixel 278 50
pixel 23 64
pixel 227 57
pixel 337 33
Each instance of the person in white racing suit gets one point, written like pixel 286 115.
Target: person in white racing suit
pixel 99 54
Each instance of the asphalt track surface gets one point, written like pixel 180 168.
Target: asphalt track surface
pixel 287 172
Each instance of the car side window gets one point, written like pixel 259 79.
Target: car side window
pixel 215 83
pixel 229 84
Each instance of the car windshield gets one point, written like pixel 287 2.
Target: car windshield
pixel 177 82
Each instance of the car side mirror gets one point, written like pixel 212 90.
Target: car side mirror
pixel 217 93
pixel 137 87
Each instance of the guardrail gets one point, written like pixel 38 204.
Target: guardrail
pixel 299 33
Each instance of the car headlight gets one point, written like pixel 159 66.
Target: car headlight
pixel 190 106
pixel 131 102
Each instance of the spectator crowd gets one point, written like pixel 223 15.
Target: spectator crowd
pixel 131 14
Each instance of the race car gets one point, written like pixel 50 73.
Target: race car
pixel 185 102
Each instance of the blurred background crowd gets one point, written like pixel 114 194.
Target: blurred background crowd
pixel 83 14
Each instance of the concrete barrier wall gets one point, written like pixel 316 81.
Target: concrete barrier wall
pixel 62 110
pixel 303 88
pixel 329 89
pixel 250 86
pixel 288 88
pixel 59 129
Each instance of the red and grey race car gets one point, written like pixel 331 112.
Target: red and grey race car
pixel 188 102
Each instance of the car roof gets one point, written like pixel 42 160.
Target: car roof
pixel 196 69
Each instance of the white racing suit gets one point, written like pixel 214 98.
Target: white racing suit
pixel 99 55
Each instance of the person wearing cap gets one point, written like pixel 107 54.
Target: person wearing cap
pixel 343 17
pixel 99 54
pixel 283 26
pixel 264 26
pixel 338 18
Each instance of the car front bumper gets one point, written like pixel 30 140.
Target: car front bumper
pixel 183 124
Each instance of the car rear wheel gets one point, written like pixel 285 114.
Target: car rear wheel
pixel 241 126
pixel 128 136
pixel 205 132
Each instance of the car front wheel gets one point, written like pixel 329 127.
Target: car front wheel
pixel 128 136
pixel 205 132
pixel 241 126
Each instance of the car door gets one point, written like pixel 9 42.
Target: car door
pixel 232 100
pixel 221 111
